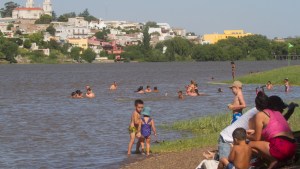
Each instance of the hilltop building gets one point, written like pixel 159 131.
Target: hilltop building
pixel 30 11
pixel 214 38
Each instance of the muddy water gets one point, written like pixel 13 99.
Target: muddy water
pixel 41 127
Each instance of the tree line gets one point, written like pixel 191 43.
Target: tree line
pixel 254 47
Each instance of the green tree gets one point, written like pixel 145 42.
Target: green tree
pixel 8 8
pixel 53 44
pixel 51 30
pixel 260 54
pixel 146 42
pixel 151 24
pixel 102 34
pixel 89 55
pixel 75 53
pixel 1 34
pixel 36 38
pixel 87 16
pixel 27 44
pixel 8 49
pixel 9 26
pixel 66 16
pixel 44 19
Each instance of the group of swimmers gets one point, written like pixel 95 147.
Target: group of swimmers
pixel 148 89
pixel 268 131
pixel 78 94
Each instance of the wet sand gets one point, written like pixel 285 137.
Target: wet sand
pixel 179 160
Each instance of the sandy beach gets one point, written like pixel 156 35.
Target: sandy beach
pixel 177 160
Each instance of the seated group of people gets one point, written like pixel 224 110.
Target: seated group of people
pixel 148 89
pixel 262 133
pixel 78 94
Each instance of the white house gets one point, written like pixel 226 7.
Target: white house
pixel 97 25
pixel 32 12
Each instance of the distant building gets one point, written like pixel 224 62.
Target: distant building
pixel 32 12
pixel 74 28
pixel 78 42
pixel 214 38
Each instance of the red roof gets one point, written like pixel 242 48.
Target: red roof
pixel 29 9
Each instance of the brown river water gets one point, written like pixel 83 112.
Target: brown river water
pixel 42 127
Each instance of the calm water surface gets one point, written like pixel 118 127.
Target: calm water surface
pixel 41 127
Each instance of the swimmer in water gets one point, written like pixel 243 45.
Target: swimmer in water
pixel 89 93
pixel 220 90
pixel 269 85
pixel 180 95
pixel 286 85
pixel 155 90
pixel 113 86
pixel 140 90
pixel 73 95
pixel 79 94
pixel 148 90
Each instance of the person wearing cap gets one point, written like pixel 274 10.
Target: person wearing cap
pixel 238 103
pixel 147 123
pixel 272 137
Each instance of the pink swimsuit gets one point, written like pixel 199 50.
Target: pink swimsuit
pixel 277 124
pixel 282 148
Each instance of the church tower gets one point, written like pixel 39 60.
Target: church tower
pixel 47 7
pixel 29 4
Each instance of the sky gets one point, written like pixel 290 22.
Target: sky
pixel 272 18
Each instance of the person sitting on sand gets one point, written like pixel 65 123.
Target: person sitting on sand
pixel 140 90
pixel 240 153
pixel 135 125
pixel 269 85
pixel 286 85
pixel 180 95
pixel 147 124
pixel 89 93
pixel 238 103
pixel 155 90
pixel 113 86
pixel 148 89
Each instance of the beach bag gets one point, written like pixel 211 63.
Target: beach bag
pixel 208 164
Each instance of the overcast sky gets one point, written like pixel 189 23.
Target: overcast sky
pixel 273 18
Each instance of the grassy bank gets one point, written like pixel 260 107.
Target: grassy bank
pixel 206 131
pixel 276 76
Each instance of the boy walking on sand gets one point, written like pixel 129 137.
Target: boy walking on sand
pixel 147 124
pixel 240 154
pixel 238 103
pixel 134 126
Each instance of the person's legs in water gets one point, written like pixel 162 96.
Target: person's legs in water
pixel 142 142
pixel 131 142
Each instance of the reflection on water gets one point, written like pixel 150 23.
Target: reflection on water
pixel 41 127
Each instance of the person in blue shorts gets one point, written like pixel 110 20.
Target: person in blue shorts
pixel 238 103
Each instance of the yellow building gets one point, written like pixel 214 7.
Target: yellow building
pixel 214 38
pixel 78 42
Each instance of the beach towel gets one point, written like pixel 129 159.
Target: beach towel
pixel 208 164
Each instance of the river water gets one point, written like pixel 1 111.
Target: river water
pixel 41 127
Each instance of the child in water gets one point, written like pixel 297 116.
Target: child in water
pixel 286 85
pixel 240 154
pixel 147 124
pixel 238 103
pixel 134 126
pixel 180 95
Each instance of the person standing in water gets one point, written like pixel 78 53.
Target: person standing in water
pixel 113 86
pixel 286 85
pixel 89 93
pixel 233 70
pixel 238 103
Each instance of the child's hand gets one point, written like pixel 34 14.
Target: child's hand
pixel 230 106
pixel 250 132
pixel 231 145
pixel 138 135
